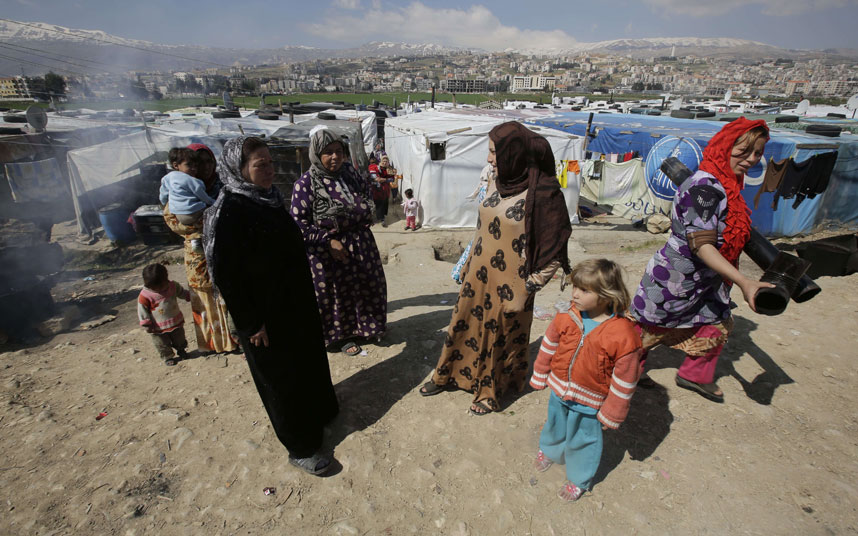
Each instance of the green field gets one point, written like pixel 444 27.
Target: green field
pixel 351 98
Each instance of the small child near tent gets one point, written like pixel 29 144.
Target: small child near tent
pixel 159 313
pixel 411 206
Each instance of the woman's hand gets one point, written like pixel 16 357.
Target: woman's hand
pixel 749 289
pixel 713 259
pixel 260 338
pixel 338 251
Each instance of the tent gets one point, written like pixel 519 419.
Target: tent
pixel 129 169
pixel 440 155
pixel 654 137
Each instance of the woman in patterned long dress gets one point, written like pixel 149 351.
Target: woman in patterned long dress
pixel 486 177
pixel 684 297
pixel 332 205
pixel 208 308
pixel 522 231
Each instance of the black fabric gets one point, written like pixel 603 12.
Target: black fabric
pixel 263 275
pixel 705 200
pixel 819 174
pixel 791 183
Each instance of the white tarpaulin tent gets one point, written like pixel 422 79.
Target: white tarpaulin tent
pixel 109 163
pixel 365 118
pixel 114 161
pixel 440 155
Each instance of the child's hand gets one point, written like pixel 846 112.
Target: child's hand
pixel 604 428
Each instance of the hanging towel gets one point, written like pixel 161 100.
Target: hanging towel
pixel 573 166
pixel 772 180
pixel 589 187
pixel 35 181
pixel 622 182
pixel 561 173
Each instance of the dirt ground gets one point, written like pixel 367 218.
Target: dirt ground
pixel 189 449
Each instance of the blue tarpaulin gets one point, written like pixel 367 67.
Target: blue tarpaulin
pixel 622 133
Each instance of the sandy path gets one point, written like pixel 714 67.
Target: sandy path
pixel 188 450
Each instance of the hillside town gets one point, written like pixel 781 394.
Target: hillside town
pixel 400 267
pixel 823 77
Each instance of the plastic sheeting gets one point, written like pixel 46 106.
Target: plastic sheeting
pixel 442 185
pixel 621 133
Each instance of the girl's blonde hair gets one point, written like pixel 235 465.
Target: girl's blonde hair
pixel 749 138
pixel 605 278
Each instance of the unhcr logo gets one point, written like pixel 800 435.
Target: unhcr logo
pixel 685 149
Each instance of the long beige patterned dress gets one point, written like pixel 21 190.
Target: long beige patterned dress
pixel 208 308
pixel 485 350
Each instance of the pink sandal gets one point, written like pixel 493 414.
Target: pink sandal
pixel 542 463
pixel 570 492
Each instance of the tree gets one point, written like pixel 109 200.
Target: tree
pixel 55 84
pixel 638 86
pixel 36 86
pixel 137 90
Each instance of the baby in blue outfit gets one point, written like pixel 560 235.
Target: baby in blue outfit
pixel 181 190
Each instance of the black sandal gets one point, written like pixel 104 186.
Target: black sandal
pixel 481 409
pixel 430 389
pixel 171 362
pixel 706 390
pixel 351 349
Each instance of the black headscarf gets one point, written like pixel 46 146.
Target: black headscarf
pixel 229 171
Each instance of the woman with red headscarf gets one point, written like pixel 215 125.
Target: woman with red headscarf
pixel 522 233
pixel 208 308
pixel 684 297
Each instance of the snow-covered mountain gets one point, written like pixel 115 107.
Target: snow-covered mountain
pixel 41 31
pixel 103 52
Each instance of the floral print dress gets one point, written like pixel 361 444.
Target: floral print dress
pixel 352 295
pixel 485 350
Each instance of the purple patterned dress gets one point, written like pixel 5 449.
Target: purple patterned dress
pixel 352 295
pixel 678 290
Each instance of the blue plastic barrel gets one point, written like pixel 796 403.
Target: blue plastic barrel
pixel 114 220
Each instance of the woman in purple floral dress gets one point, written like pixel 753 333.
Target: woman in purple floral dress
pixel 332 205
pixel 683 300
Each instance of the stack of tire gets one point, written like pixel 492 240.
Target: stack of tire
pixel 226 114
pixel 270 114
pixel 830 131
pixel 15 118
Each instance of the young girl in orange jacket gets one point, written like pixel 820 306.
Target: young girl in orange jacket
pixel 590 358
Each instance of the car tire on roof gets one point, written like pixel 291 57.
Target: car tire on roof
pixel 15 118
pixel 824 130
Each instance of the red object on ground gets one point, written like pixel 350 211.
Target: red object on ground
pixel 100 416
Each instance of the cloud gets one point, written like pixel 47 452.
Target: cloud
pixel 706 8
pixel 475 27
pixel 347 4
pixel 376 4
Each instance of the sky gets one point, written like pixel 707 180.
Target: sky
pixel 490 25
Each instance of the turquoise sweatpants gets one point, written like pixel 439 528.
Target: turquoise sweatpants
pixel 572 435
